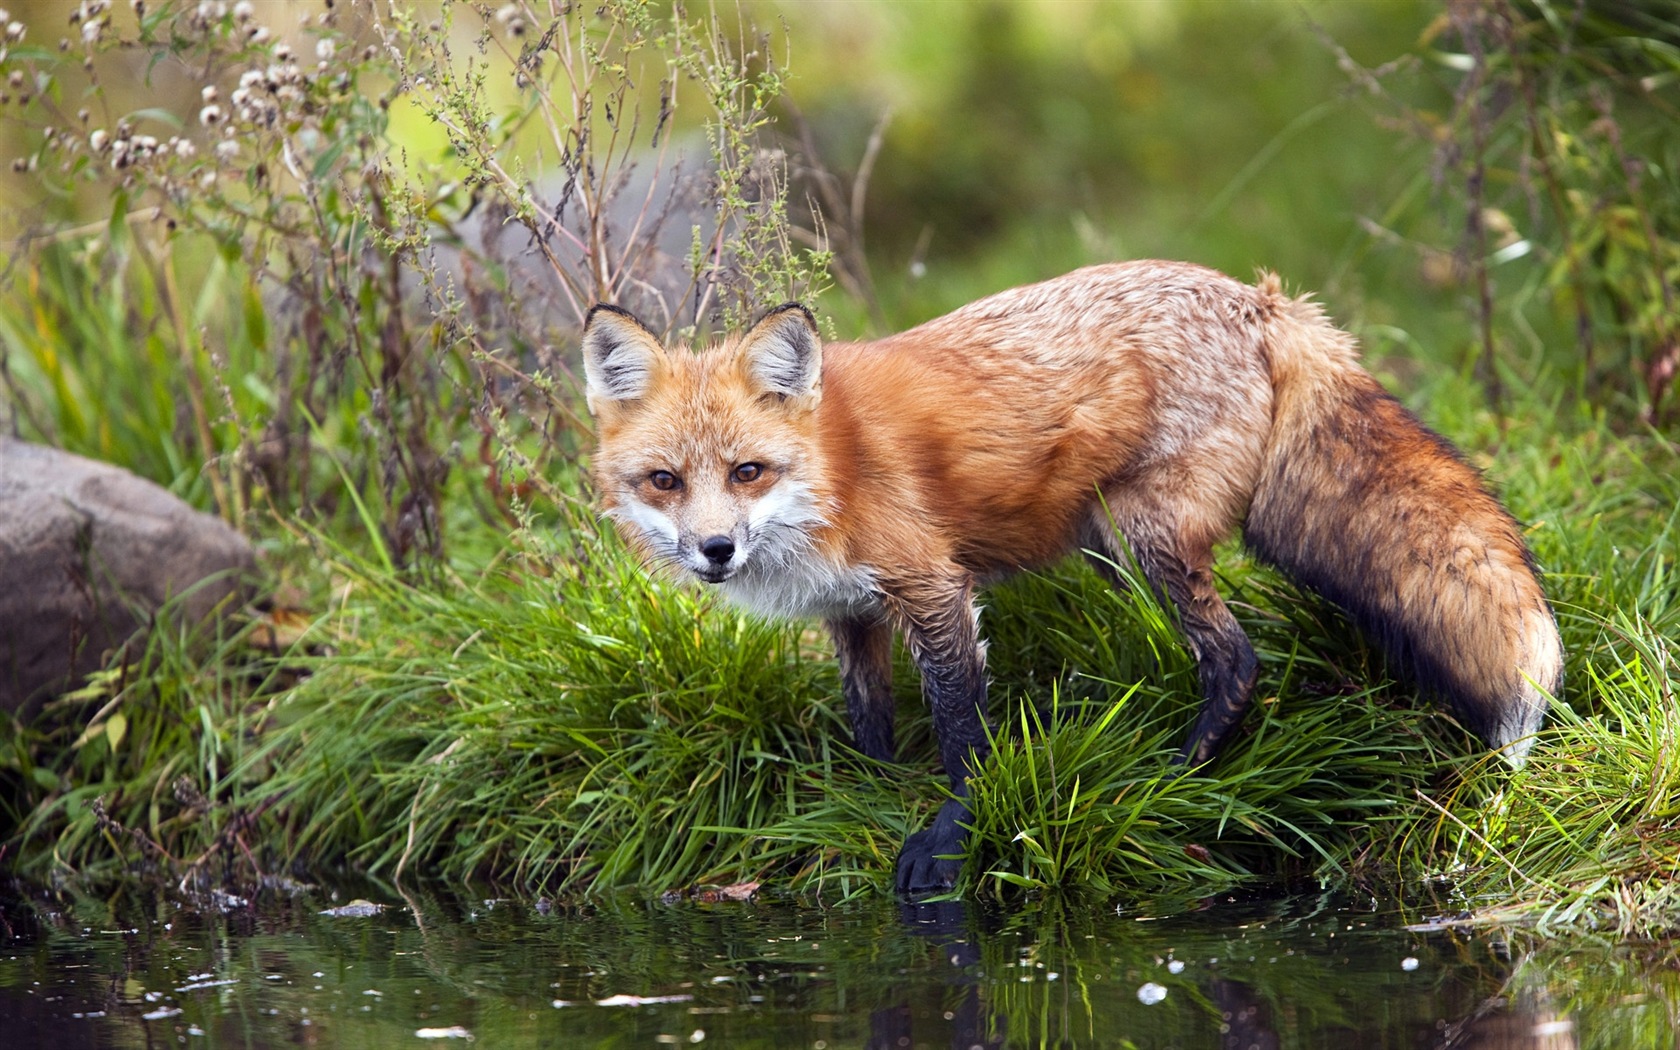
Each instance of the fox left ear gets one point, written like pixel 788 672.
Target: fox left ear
pixel 783 353
pixel 620 357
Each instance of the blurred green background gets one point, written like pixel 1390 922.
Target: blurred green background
pixel 1026 138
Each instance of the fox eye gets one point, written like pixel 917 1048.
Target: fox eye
pixel 664 480
pixel 747 472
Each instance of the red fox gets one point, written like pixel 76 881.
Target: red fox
pixel 1144 406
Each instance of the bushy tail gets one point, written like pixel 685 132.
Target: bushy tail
pixel 1364 504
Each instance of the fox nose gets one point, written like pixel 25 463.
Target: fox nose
pixel 718 549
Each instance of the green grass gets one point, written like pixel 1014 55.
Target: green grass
pixel 559 721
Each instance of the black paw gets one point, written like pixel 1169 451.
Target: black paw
pixel 932 858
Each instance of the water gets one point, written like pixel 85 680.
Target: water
pixel 152 969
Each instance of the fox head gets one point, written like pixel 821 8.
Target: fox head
pixel 707 459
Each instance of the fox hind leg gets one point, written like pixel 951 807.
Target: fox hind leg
pixel 1179 567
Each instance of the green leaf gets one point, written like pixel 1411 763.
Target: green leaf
pixel 88 734
pixel 163 116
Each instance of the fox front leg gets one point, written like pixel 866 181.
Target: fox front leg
pixel 941 631
pixel 863 647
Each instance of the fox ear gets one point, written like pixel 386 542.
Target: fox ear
pixel 783 353
pixel 619 356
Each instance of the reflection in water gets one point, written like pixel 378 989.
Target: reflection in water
pixel 274 971
pixel 1246 1017
pixel 1528 1021
pixel 952 927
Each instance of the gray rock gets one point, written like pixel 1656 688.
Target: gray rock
pixel 88 552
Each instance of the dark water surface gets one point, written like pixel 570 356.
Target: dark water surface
pixel 153 970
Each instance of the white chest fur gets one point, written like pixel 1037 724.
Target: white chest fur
pixel 802 584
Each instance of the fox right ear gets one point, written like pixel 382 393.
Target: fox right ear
pixel 619 356
pixel 783 353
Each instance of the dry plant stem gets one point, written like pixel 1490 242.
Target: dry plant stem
pixel 637 257
pixel 581 74
pixel 1490 847
pixel 866 168
pixel 851 270
pixel 715 256
pixel 414 807
pixel 576 294
pixel 73 234
pixel 231 832
pixel 526 203
pixel 1554 191
pixel 1468 22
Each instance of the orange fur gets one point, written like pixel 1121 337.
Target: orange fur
pixel 1157 403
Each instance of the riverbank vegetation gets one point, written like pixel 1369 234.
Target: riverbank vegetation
pixel 332 292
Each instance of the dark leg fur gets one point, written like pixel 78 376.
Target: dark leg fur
pixel 1224 658
pixel 864 649
pixel 1228 668
pixel 937 617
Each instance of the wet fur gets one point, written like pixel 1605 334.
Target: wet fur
pixel 1161 404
